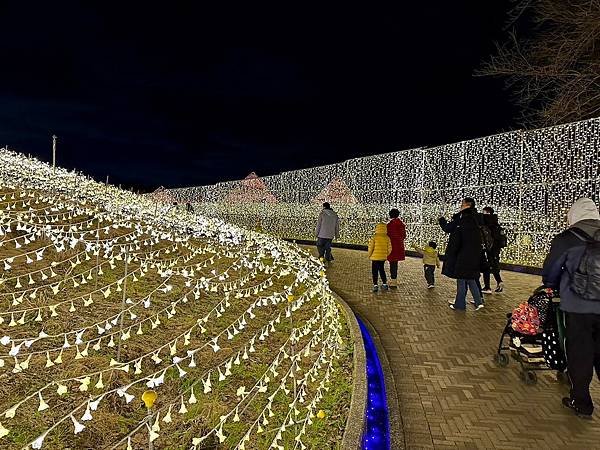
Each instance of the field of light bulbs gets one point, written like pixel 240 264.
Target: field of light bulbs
pixel 125 324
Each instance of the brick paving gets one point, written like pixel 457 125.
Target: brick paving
pixel 450 392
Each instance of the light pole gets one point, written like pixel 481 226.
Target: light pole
pixel 53 153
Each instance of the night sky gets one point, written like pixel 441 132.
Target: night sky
pixel 177 94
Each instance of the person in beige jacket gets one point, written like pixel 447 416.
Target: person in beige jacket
pixel 380 246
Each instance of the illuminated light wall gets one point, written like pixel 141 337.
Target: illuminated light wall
pixel 530 177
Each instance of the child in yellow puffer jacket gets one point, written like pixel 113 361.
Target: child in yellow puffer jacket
pixel 380 246
pixel 431 260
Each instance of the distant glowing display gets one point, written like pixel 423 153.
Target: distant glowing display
pixel 529 177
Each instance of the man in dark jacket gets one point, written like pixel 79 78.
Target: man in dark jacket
pixel 462 259
pixel 582 315
pixel 490 219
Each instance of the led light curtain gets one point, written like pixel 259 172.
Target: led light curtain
pixel 530 177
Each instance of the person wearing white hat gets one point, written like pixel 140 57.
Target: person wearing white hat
pixel 573 267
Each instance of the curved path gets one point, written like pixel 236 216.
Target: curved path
pixel 449 391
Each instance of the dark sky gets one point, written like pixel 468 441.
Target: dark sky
pixel 178 94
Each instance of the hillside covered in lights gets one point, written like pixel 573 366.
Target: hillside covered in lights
pixel 111 303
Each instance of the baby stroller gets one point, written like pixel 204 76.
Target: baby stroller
pixel 534 335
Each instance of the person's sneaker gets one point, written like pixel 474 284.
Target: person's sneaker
pixel 454 308
pixel 486 290
pixel 500 288
pixel 375 288
pixel 451 301
pixel 393 284
pixel 479 307
pixel 566 401
pixel 385 287
pixel 431 286
pixel 472 302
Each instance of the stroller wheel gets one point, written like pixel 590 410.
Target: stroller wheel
pixel 529 377
pixel 562 377
pixel 501 359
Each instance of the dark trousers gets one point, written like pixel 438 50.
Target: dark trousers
pixel 394 269
pixel 429 274
pixel 583 354
pixel 324 247
pixel 493 258
pixel 378 268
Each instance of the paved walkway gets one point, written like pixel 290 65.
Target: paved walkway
pixel 450 392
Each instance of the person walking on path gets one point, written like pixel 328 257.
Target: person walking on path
pixel 463 253
pixel 380 246
pixel 396 230
pixel 490 219
pixel 431 260
pixel 328 228
pixel 573 267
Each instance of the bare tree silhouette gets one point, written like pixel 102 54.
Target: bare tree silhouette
pixel 551 60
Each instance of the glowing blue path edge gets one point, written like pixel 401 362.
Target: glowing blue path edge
pixel 377 425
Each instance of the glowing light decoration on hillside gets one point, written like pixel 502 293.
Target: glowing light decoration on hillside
pixel 161 195
pixel 529 177
pixel 336 192
pixel 72 255
pixel 250 190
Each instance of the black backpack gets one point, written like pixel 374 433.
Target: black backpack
pixel 585 281
pixel 501 238
pixel 487 238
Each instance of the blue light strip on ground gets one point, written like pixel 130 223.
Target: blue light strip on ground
pixel 377 424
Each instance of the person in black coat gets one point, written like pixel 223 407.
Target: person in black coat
pixel 463 253
pixel 490 219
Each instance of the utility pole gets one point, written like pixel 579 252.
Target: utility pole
pixel 53 153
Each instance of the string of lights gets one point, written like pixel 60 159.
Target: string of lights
pixel 529 177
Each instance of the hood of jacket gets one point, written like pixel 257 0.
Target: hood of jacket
pixel 589 226
pixel 490 220
pixel 582 209
pixel 381 228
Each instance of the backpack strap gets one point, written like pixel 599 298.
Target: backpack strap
pixel 582 235
pixel 480 224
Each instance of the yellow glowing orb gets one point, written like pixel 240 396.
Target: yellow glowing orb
pixel 149 397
